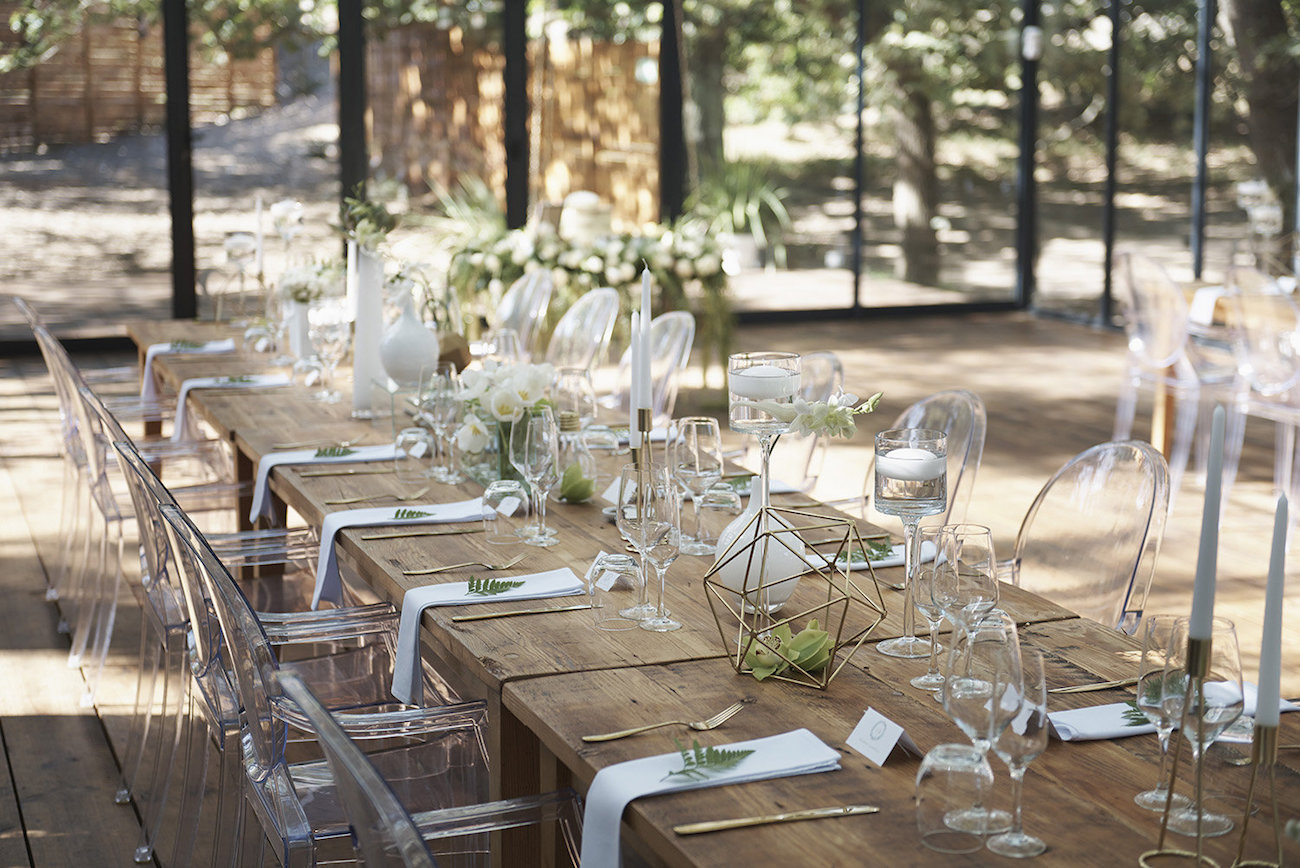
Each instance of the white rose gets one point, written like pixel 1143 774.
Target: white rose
pixel 504 405
pixel 472 436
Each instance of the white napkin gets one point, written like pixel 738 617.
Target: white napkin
pixel 244 381
pixel 149 386
pixel 1113 720
pixel 328 586
pixel 744 487
pixel 408 686
pixel 895 558
pixel 798 752
pixel 384 452
pixel 1201 310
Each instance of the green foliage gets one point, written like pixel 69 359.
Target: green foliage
pixel 742 198
pixel 701 763
pixel 411 513
pixel 334 452
pixel 491 587
pixel 808 650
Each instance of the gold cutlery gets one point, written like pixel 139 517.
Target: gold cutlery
pixel 1097 685
pixel 1240 759
pixel 355 471
pixel 786 817
pixel 324 444
pixel 698 725
pixel 402 534
pixel 428 571
pixel 400 498
pixel 487 615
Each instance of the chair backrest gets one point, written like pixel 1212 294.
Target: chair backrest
pixel 384 832
pixel 1154 310
pixel 582 335
pixel 64 375
pixel 960 414
pixel 821 375
pixel 671 337
pixel 523 307
pixel 1265 325
pixel 1091 538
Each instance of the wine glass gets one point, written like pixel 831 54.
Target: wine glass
pixel 574 392
pixel 503 347
pixel 534 452
pixel 1018 745
pixel 695 456
pixel 660 530
pixel 967 583
pixel 911 482
pixel 286 218
pixel 1206 707
pixel 330 331
pixel 440 403
pixel 1155 681
pixel 628 519
pixel 241 250
pixel 981 695
pixel 930 605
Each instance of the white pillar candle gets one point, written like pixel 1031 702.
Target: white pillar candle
pixel 1207 558
pixel 350 281
pixel 1270 648
pixel 763 382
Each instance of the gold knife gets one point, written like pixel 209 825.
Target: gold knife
pixel 1098 685
pixel 486 615
pixel 402 534
pixel 787 817
pixel 356 471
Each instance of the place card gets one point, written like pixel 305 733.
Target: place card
pixel 875 736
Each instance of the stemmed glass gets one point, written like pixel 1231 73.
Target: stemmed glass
pixel 911 482
pixel 1018 745
pixel 1206 708
pixel 659 529
pixel 330 331
pixel 534 452
pixel 286 217
pixel 966 584
pixel 695 456
pixel 930 605
pixel 629 526
pixel 1155 683
pixel 981 695
pixel 440 405
pixel 241 249
pixel 575 392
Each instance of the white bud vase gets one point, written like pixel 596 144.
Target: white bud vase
pixel 746 571
pixel 408 347
pixel 297 329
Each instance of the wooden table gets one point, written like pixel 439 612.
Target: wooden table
pixel 550 679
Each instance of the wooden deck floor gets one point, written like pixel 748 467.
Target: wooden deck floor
pixel 1049 387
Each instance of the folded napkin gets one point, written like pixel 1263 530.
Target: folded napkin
pixel 328 586
pixel 1122 719
pixel 895 558
pixel 242 381
pixel 384 452
pixel 744 485
pixel 149 386
pixel 798 752
pixel 408 686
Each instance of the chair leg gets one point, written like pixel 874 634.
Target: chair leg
pixel 106 616
pixel 146 685
pixel 1125 409
pixel 154 803
pixel 1184 429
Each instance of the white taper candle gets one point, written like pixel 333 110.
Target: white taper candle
pixel 634 388
pixel 1270 647
pixel 1207 558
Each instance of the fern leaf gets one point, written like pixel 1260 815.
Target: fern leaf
pixel 334 452
pixel 1134 716
pixel 701 763
pixel 411 513
pixel 492 587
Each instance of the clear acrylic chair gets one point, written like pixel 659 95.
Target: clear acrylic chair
pixel 960 414
pixel 1090 540
pixel 581 337
pixel 1183 354
pixel 523 308
pixel 436 753
pixel 671 337
pixel 386 835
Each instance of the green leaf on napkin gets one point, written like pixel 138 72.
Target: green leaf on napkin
pixel 491 587
pixel 239 378
pixel 698 763
pixel 874 550
pixel 411 513
pixel 1134 716
pixel 181 346
pixel 334 452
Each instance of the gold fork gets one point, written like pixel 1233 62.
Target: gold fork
pixel 397 497
pixel 698 725
pixel 342 444
pixel 431 570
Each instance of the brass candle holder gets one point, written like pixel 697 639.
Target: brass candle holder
pixel 1263 755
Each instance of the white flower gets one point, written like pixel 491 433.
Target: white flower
pixel 472 436
pixel 684 269
pixel 560 278
pixel 504 405
pixel 708 265
pixel 474 384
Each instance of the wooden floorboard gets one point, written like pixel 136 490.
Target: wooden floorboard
pixel 1050 390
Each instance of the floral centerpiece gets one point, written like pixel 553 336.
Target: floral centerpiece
pixel 365 222
pixel 685 262
pixel 494 398
pixel 306 283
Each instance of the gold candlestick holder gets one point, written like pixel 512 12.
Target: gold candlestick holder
pixel 1198 665
pixel 1263 756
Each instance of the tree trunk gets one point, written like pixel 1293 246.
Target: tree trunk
pixel 1258 30
pixel 707 67
pixel 916 186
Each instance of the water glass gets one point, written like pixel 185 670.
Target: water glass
pixel 614 584
pixel 414 455
pixel 717 508
pixel 695 458
pixel 953 779
pixel 505 511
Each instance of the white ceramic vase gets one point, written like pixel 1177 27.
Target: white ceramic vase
pixel 747 572
pixel 296 328
pixel 408 347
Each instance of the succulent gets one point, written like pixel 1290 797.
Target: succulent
pixel 809 650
